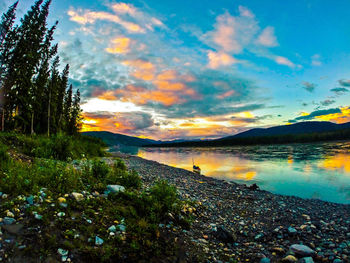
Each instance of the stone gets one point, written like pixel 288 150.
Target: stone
pixel 62 252
pixel 30 200
pixel 122 227
pixel 265 260
pixel 8 220
pixel 302 250
pixel 224 235
pixel 10 214
pixel 78 196
pixel 62 200
pixel 38 217
pixel 61 214
pixel 98 241
pixel 112 229
pixel 289 258
pixel 306 260
pixel 13 229
pixel 292 230
pixel 115 188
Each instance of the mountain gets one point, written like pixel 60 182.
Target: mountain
pixel 302 132
pixel 114 139
pixel 297 128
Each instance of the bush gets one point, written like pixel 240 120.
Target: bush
pixel 164 197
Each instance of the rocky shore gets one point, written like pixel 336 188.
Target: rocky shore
pixel 235 223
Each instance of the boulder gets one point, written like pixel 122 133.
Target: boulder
pixel 302 250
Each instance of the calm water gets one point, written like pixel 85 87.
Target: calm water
pixel 319 171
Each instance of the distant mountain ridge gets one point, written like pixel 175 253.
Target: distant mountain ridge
pixel 297 128
pixel 113 139
pixel 298 132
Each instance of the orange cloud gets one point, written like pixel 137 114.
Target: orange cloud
pixel 342 117
pixel 124 8
pixel 143 69
pixel 218 59
pixel 120 45
pixel 226 94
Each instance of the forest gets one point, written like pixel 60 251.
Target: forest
pixel 35 94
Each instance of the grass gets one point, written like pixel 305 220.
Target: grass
pixel 137 213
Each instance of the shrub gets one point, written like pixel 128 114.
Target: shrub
pixel 164 197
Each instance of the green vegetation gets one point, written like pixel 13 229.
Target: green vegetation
pixel 35 97
pixel 70 203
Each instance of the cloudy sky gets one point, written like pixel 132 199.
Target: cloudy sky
pixel 204 69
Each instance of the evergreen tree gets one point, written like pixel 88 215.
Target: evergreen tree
pixel 67 109
pixel 7 40
pixel 76 118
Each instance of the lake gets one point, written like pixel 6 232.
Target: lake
pixel 317 170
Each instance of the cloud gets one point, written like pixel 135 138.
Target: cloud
pixel 344 82
pixel 284 61
pixel 218 59
pixel 84 17
pixel 143 69
pixel 119 45
pixel 315 114
pixel 340 91
pixel 327 102
pixel 121 122
pixel 310 87
pixel 315 60
pixel 267 37
pixel 232 34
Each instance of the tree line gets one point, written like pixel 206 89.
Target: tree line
pixel 35 96
pixel 343 134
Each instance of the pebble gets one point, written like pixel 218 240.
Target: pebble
pixel 302 250
pixel 8 220
pixel 78 196
pixel 289 258
pixel 115 188
pixel 98 241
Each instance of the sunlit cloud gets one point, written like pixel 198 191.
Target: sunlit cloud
pixel 219 59
pixel 84 17
pixel 337 115
pixel 316 60
pixel 119 45
pixel 267 37
pixel 284 61
pixel 142 69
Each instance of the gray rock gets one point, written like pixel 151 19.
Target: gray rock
pixel 115 188
pixel 30 200
pixel 306 260
pixel 8 220
pixel 292 230
pixel 265 260
pixel 302 250
pixel 98 241
pixel 13 229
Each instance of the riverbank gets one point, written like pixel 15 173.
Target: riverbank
pixel 247 225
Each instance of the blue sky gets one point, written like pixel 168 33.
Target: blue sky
pixel 204 69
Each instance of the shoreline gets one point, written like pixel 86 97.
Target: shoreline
pixel 260 225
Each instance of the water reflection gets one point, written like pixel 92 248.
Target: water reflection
pixel 307 170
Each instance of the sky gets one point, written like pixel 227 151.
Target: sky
pixel 204 69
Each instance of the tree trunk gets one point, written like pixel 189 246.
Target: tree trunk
pixel 32 124
pixel 3 119
pixel 48 116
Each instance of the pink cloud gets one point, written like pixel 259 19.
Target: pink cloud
pixel 267 37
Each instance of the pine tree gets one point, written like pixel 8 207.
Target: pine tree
pixel 60 96
pixel 76 118
pixel 67 109
pixel 7 40
pixel 52 92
